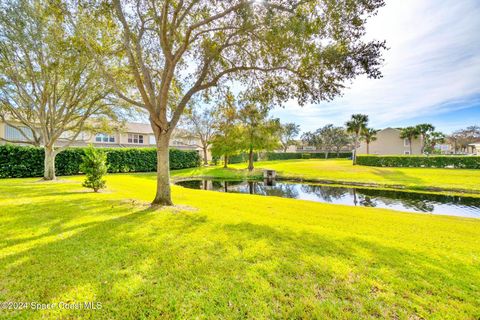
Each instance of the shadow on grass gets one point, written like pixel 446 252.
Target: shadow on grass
pixel 396 176
pixel 146 263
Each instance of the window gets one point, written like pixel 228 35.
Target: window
pixel 177 143
pixel 135 138
pixel 406 142
pixel 406 152
pixel 102 137
pixel 151 139
pixel 14 134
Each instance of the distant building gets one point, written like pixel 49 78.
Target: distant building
pixel 474 149
pixel 444 148
pixel 389 142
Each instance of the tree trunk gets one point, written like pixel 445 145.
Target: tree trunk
pixel 205 160
pixel 225 164
pixel 422 149
pixel 355 150
pixel 250 187
pixel 49 164
pixel 250 159
pixel 326 154
pixel 163 196
pixel 368 148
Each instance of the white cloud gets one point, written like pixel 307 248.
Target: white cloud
pixel 432 67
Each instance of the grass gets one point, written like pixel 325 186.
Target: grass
pixel 342 171
pixel 234 256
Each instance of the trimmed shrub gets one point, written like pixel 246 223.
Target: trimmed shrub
pixel 309 155
pixel 463 162
pixel 22 162
pixel 243 157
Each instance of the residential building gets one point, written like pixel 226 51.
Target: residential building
pixel 444 148
pixel 389 142
pixel 474 149
pixel 132 135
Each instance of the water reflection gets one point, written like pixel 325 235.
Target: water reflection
pixel 398 200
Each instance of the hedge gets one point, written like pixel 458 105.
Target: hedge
pixel 464 162
pixel 309 155
pixel 243 157
pixel 21 161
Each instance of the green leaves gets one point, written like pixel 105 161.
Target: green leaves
pixel 21 162
pixel 463 162
pixel 94 166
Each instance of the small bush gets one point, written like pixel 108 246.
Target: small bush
pixel 463 162
pixel 94 166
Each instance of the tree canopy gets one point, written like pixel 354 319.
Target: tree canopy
pixel 288 133
pixel 298 49
pixel 49 83
pixel 258 131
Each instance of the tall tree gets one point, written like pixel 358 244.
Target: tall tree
pixel 201 126
pixel 355 126
pixel 368 135
pixel 432 140
pixel 424 130
pixel 327 139
pixel 341 139
pixel 49 84
pixel 226 141
pixel 176 49
pixel 463 137
pixel 409 133
pixel 260 133
pixel 288 133
pixel 327 136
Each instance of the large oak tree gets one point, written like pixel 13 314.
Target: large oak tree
pixel 49 84
pixel 174 49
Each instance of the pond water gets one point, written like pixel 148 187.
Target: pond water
pixel 390 199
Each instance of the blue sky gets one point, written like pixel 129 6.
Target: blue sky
pixel 431 71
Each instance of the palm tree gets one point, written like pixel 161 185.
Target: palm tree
pixel 368 135
pixel 355 126
pixel 409 133
pixel 424 130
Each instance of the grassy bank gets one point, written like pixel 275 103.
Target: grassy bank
pixel 220 255
pixel 342 171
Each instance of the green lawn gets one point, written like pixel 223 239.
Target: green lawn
pixel 235 256
pixel 343 171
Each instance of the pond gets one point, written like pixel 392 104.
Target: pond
pixel 389 199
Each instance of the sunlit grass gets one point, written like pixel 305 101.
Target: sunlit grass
pixel 343 171
pixel 219 255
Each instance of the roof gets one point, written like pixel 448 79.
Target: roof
pixel 146 128
pixel 136 127
pixel 389 128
